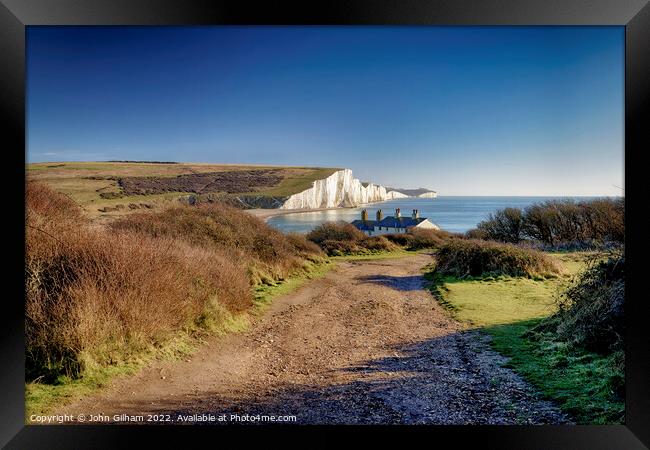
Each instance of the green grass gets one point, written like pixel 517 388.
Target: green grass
pixel 486 302
pixel 400 253
pixel 506 308
pixel 41 398
pixel 266 293
pixel 583 384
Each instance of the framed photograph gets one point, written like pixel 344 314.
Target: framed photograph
pixel 355 216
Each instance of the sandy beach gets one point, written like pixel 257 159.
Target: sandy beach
pixel 266 214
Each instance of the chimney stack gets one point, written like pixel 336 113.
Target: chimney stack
pixel 379 215
pixel 364 215
pixel 416 214
pixel 397 213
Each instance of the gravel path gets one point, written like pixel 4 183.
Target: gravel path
pixel 365 344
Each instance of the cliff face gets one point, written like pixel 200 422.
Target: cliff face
pixel 419 192
pixel 390 195
pixel 339 189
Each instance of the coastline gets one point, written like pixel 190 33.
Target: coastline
pixel 456 214
pixel 266 214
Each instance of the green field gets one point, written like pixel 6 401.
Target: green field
pixel 580 382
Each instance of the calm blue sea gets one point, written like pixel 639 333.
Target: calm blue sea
pixel 456 214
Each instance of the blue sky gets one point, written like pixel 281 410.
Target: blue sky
pixel 462 110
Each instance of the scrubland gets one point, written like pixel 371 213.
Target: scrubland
pixel 101 296
pixel 105 297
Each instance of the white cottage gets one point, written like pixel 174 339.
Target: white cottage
pixel 392 224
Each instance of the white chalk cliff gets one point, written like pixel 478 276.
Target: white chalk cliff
pixel 390 195
pixel 428 195
pixel 337 190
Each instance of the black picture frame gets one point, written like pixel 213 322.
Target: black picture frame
pixel 634 15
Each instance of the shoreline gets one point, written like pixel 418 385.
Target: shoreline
pixel 265 214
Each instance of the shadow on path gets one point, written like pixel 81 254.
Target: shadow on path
pixel 406 283
pixel 453 379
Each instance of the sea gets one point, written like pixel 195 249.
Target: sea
pixel 456 214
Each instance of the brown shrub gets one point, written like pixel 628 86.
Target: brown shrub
pixel 505 225
pixel 476 233
pixel 341 248
pixel 417 239
pixel 378 244
pixel 591 310
pixel 96 296
pixel 50 205
pixel 305 248
pixel 224 228
pixel 559 223
pixel 470 257
pixel 335 231
pixel 401 239
pixel 340 238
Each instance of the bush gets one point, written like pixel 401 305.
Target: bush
pixel 266 251
pixel 335 231
pixel 417 239
pixel 45 205
pixel 558 223
pixel 505 225
pixel 304 248
pixel 364 246
pixel 95 297
pixel 340 238
pixel 470 257
pixel 341 248
pixel 591 310
pixel 378 244
pixel 606 219
pixel 476 233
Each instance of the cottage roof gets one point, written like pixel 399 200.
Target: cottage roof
pixel 400 222
pixel 388 222
pixel 368 225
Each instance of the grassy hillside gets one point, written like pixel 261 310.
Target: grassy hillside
pixel 116 188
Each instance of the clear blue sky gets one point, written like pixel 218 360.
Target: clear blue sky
pixel 462 110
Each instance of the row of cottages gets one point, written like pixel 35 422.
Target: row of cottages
pixel 392 224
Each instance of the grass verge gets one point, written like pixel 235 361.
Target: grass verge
pixel 582 383
pixel 399 253
pixel 507 308
pixel 266 293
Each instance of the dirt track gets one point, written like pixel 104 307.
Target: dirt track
pixel 365 344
